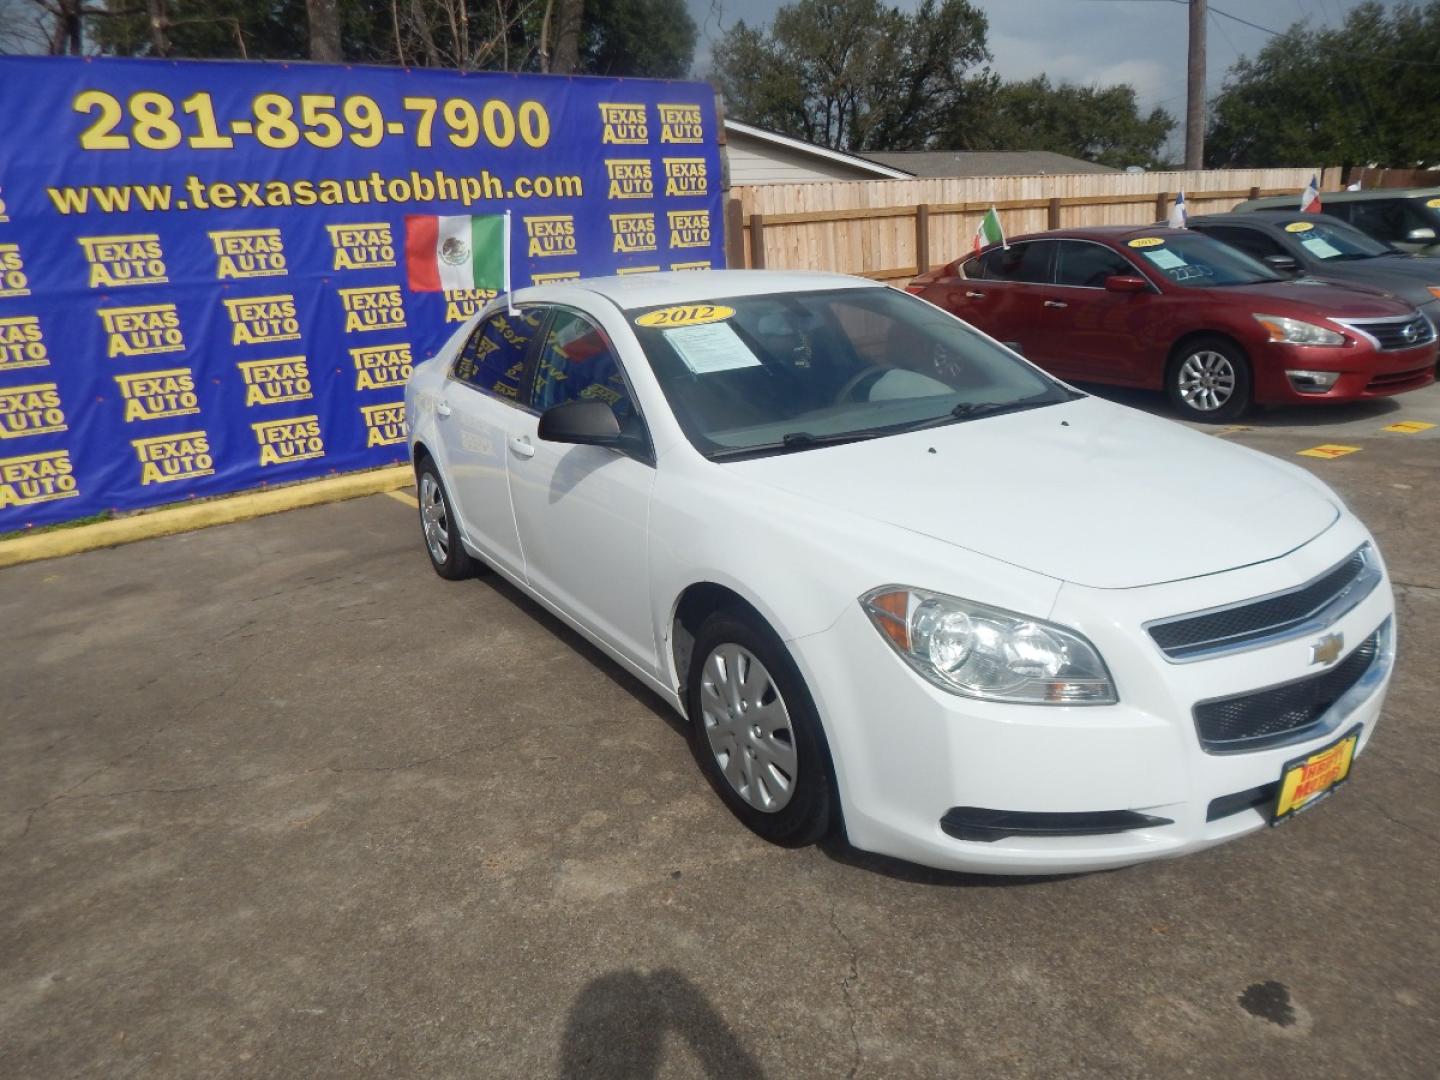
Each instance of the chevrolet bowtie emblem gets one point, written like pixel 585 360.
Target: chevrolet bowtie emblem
pixel 1327 649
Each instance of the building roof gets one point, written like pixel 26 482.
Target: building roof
pixel 869 166
pixel 985 163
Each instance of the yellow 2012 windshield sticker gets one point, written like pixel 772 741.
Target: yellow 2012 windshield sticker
pixel 1300 226
pixel 686 315
pixel 1147 241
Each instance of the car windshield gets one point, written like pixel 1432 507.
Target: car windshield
pixel 1334 241
pixel 1198 262
pixel 753 375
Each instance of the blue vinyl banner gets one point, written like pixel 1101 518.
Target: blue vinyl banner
pixel 205 280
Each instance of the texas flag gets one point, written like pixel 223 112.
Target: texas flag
pixel 457 252
pixel 1310 197
pixel 1178 216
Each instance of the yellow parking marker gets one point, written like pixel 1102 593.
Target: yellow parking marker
pixel 404 497
pixel 1329 450
pixel 1233 429
pixel 1408 427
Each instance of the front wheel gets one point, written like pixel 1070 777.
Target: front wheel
pixel 437 525
pixel 755 731
pixel 1210 381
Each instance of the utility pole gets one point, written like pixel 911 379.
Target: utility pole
pixel 1195 89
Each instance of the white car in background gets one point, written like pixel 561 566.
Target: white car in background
pixel 899 580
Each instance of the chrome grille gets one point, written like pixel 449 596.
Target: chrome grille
pixel 1279 714
pixel 1390 335
pixel 1269 619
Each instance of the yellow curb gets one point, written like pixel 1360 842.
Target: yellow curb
pixel 201 515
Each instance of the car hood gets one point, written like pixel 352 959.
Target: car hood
pixel 1086 492
pixel 1349 301
pixel 1407 278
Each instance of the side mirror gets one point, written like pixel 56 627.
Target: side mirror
pixel 1282 264
pixel 586 423
pixel 1422 235
pixel 1126 283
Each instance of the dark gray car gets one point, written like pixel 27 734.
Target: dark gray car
pixel 1319 246
pixel 1404 218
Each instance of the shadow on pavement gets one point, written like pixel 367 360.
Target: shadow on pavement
pixel 613 671
pixel 618 1025
pixel 838 849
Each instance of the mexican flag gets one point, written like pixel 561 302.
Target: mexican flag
pixel 457 252
pixel 990 231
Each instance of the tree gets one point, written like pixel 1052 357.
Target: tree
pixel 324 19
pixel 1101 124
pixel 1364 92
pixel 643 39
pixel 853 74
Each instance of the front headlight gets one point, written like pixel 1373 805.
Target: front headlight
pixel 984 652
pixel 1295 332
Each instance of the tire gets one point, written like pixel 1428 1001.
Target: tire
pixel 783 786
pixel 1209 380
pixel 438 530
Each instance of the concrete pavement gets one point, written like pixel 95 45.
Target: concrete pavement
pixel 277 801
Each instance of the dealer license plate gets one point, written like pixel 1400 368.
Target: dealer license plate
pixel 1314 777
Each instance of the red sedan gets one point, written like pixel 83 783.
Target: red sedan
pixel 1169 309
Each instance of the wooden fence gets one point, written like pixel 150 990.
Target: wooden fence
pixel 892 230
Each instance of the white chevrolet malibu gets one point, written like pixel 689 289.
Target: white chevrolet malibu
pixel 901 582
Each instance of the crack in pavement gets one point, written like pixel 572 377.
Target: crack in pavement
pixel 1403 824
pixel 845 984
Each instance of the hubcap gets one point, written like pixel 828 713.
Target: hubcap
pixel 433 518
pixel 748 728
pixel 1207 380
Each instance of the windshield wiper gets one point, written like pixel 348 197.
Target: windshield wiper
pixel 792 441
pixel 974 410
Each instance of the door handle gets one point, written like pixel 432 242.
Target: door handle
pixel 1056 303
pixel 522 446
pixel 442 408
pixel 974 295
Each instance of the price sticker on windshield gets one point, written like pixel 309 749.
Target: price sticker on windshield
pixel 1147 241
pixel 1434 204
pixel 686 315
pixel 1300 226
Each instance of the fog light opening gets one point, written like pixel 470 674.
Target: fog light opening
pixel 1312 382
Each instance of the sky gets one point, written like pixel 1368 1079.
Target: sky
pixel 1141 42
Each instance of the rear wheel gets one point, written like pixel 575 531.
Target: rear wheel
pixel 1210 380
pixel 755 731
pixel 437 525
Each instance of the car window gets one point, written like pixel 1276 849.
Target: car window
pixel 493 360
pixel 577 363
pixel 1027 262
pixel 1193 261
pixel 1086 265
pixel 1390 220
pixel 1323 238
pixel 1252 242
pixel 789 371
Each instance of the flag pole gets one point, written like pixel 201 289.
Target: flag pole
pixel 510 308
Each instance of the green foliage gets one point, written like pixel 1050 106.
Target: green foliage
pixel 649 39
pixel 1364 92
pixel 853 74
pixel 637 38
pixel 1101 124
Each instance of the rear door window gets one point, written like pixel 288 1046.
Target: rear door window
pixel 1027 262
pixel 493 360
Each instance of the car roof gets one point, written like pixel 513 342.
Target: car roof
pixel 1115 233
pixel 693 286
pixel 1260 217
pixel 1351 196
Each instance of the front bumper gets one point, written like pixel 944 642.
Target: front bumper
pixel 1364 372
pixel 907 753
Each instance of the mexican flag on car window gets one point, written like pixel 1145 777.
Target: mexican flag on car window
pixel 989 231
pixel 457 252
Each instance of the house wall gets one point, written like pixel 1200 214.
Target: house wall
pixel 753 161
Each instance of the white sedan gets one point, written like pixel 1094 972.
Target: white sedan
pixel 901 582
